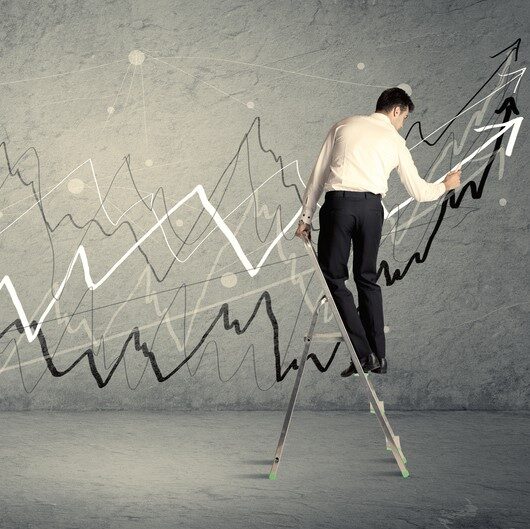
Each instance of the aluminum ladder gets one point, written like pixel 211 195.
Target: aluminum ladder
pixel 376 405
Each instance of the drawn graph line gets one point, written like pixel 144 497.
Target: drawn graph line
pixel 508 106
pixel 514 125
pixel 284 70
pixel 145 111
pixel 199 191
pixel 518 74
pixel 61 74
pixel 199 79
pixel 457 148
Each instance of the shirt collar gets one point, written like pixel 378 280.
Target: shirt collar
pixel 381 117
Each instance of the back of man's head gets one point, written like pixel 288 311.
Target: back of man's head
pixel 392 97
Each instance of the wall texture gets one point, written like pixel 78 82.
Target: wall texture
pixel 121 289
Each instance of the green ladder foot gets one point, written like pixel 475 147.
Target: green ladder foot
pixel 272 476
pixel 405 473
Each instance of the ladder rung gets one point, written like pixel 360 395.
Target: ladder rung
pixel 327 337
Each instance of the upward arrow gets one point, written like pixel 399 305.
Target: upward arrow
pixel 513 126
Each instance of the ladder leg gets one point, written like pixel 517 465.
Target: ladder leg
pixel 381 403
pixel 294 393
pixel 374 401
pixel 382 408
pixel 391 439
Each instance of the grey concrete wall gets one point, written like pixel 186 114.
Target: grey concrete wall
pixel 113 112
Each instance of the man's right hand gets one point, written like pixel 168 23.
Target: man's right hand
pixel 452 179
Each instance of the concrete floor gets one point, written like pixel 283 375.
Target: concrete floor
pixel 210 470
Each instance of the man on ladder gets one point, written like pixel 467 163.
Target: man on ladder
pixel 353 167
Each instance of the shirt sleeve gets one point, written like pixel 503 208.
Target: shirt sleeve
pixel 417 187
pixel 318 178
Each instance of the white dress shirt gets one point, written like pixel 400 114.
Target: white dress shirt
pixel 359 154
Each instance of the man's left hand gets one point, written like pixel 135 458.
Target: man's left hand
pixel 302 229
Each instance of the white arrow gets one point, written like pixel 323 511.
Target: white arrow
pixel 519 76
pixel 514 125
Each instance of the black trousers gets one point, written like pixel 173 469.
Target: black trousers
pixel 346 218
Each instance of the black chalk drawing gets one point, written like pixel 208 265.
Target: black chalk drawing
pixel 264 302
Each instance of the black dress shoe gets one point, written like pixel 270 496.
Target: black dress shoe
pixel 384 364
pixel 368 364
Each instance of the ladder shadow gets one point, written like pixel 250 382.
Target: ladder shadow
pixel 254 475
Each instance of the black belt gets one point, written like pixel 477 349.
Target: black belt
pixel 341 193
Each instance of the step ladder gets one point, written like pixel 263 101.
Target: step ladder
pixel 376 406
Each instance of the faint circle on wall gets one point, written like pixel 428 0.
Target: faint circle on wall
pixel 110 110
pixel 229 280
pixel 360 66
pixel 149 162
pixel 75 185
pixel 502 201
pixel 386 328
pixel 250 104
pixel 406 87
pixel 136 57
pixel 179 222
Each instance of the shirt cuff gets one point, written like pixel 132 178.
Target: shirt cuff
pixel 306 218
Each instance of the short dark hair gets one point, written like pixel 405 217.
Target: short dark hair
pixel 392 97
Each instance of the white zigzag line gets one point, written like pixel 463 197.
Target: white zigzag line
pixel 199 190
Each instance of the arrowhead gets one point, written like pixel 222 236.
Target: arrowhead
pixel 508 106
pixel 513 46
pixel 515 124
